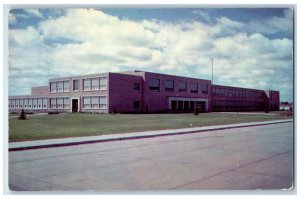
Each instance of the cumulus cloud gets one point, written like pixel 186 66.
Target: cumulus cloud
pixel 34 12
pixel 84 41
pixel 201 14
pixel 274 24
pixel 11 18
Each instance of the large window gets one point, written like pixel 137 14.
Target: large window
pixel 154 84
pixel 95 102
pixel 75 85
pixel 59 86
pixel 66 86
pixel 182 86
pixel 205 88
pixel 60 103
pixel 53 87
pixel 194 88
pixel 87 84
pixel 169 85
pixel 103 83
pixel 97 83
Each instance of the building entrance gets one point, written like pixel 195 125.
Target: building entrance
pixel 74 105
pixel 186 105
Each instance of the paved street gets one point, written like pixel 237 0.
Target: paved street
pixel 246 158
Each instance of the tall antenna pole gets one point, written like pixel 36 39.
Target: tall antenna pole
pixel 212 70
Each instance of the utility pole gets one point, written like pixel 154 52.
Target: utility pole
pixel 212 70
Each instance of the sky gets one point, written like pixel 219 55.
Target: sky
pixel 251 47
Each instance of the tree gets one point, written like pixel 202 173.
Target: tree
pixel 22 115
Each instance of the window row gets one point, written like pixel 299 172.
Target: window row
pixel 237 93
pixel 95 102
pixel 237 106
pixel 28 103
pixel 60 102
pixel 154 85
pixel 98 83
pixel 236 103
pixel 60 86
pixel 88 84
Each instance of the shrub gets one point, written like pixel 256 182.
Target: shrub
pixel 22 115
pixel 196 112
pixel 53 112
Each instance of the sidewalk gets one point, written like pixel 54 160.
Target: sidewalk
pixel 16 146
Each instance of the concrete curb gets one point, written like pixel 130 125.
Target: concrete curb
pixel 20 146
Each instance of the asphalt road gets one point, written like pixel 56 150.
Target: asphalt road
pixel 249 158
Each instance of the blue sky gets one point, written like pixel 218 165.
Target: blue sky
pixel 252 47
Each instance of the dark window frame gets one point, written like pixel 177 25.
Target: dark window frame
pixel 169 88
pixel 195 90
pixel 136 86
pixel 154 88
pixel 136 104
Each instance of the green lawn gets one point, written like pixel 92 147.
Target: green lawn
pixel 74 125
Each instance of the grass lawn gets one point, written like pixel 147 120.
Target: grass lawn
pixel 74 125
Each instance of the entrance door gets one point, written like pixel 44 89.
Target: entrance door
pixel 74 105
pixel 200 106
pixel 174 105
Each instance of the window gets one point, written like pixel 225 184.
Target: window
pixel 66 102
pixel 53 87
pixel 154 84
pixel 182 86
pixel 53 103
pixel 136 104
pixel 66 86
pixel 40 102
pixel 21 102
pixel 103 102
pixel 59 86
pixel 204 88
pixel 103 83
pixel 194 88
pixel 60 102
pixel 13 103
pixel 95 102
pixel 169 85
pixel 45 101
pixel 97 83
pixel 87 84
pixel 136 86
pixel 75 85
pixel 30 102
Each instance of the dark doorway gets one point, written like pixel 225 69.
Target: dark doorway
pixel 174 105
pixel 200 106
pixel 74 105
pixel 186 105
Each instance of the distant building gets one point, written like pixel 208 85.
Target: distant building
pixel 285 107
pixel 141 92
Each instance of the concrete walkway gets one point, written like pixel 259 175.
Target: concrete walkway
pixel 16 146
pixel 247 113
